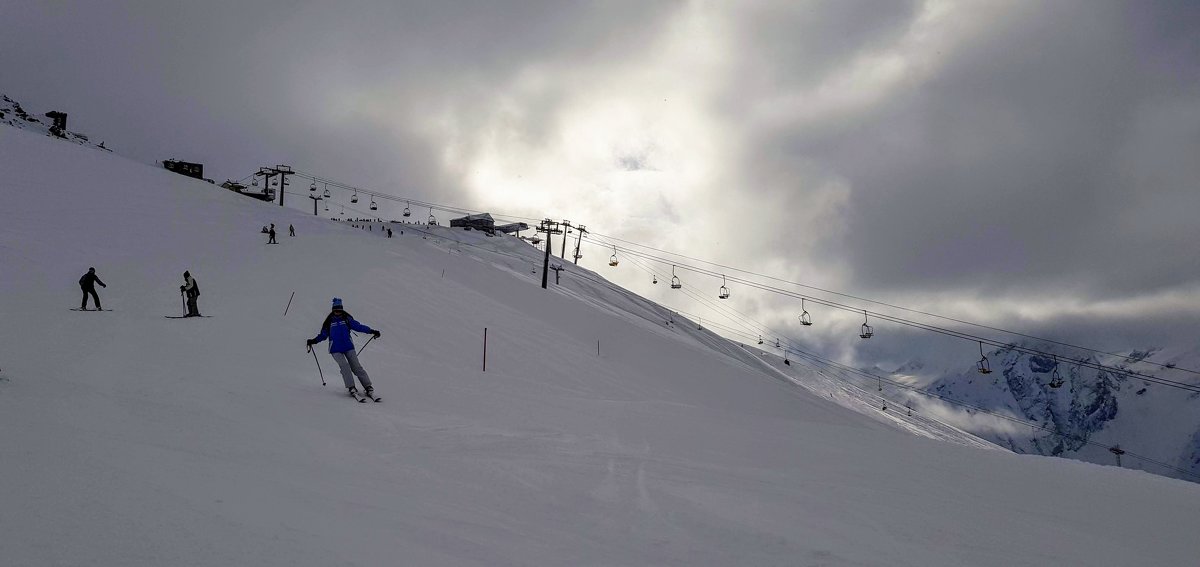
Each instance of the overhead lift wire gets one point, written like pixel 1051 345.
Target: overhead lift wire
pixel 882 303
pixel 1081 362
pixel 462 210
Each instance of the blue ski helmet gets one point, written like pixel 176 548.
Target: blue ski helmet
pixel 337 303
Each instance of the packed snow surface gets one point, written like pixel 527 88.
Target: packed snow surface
pixel 133 439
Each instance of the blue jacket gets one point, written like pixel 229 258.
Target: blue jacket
pixel 337 329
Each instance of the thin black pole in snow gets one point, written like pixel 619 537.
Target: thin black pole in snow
pixel 181 303
pixel 289 305
pixel 314 353
pixel 597 347
pixel 485 349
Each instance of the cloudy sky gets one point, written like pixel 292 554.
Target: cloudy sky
pixel 1032 165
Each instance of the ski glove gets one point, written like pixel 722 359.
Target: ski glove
pixel 309 342
pixel 376 333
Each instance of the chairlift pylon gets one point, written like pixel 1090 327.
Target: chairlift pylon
pixel 612 260
pixel 805 318
pixel 675 280
pixel 983 366
pixel 866 331
pixel 723 293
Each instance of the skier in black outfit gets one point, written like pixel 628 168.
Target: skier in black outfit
pixel 88 284
pixel 272 234
pixel 291 230
pixel 192 290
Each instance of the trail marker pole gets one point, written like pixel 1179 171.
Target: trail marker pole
pixel 289 305
pixel 485 349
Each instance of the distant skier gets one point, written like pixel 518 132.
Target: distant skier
pixel 389 232
pixel 88 284
pixel 336 328
pixel 271 233
pixel 192 290
pixel 291 230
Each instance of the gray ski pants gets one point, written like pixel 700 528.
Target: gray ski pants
pixel 348 363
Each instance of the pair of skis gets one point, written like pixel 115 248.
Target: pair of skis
pixel 362 397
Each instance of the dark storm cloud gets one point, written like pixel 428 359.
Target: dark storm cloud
pixel 243 84
pixel 1052 151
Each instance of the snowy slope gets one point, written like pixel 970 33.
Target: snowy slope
pixel 132 439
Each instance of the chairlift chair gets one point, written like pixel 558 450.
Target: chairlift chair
pixel 805 318
pixel 326 204
pixel 655 280
pixel 1056 380
pixel 777 343
pixel 327 194
pixel 760 341
pixel 983 366
pixel 374 207
pixel 407 212
pixel 675 280
pixel 354 197
pixel 723 293
pixel 866 331
pixel 612 260
pixel 312 187
pixel 254 183
pixel 432 219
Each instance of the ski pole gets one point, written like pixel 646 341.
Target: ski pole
pixel 289 305
pixel 181 304
pixel 314 353
pixel 364 347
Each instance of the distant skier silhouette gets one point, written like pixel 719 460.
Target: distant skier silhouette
pixel 271 232
pixel 291 230
pixel 88 284
pixel 192 290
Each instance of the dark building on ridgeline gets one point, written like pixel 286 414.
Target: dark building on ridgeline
pixel 482 221
pixel 185 168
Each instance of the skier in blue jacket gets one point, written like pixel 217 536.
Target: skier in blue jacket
pixel 336 328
